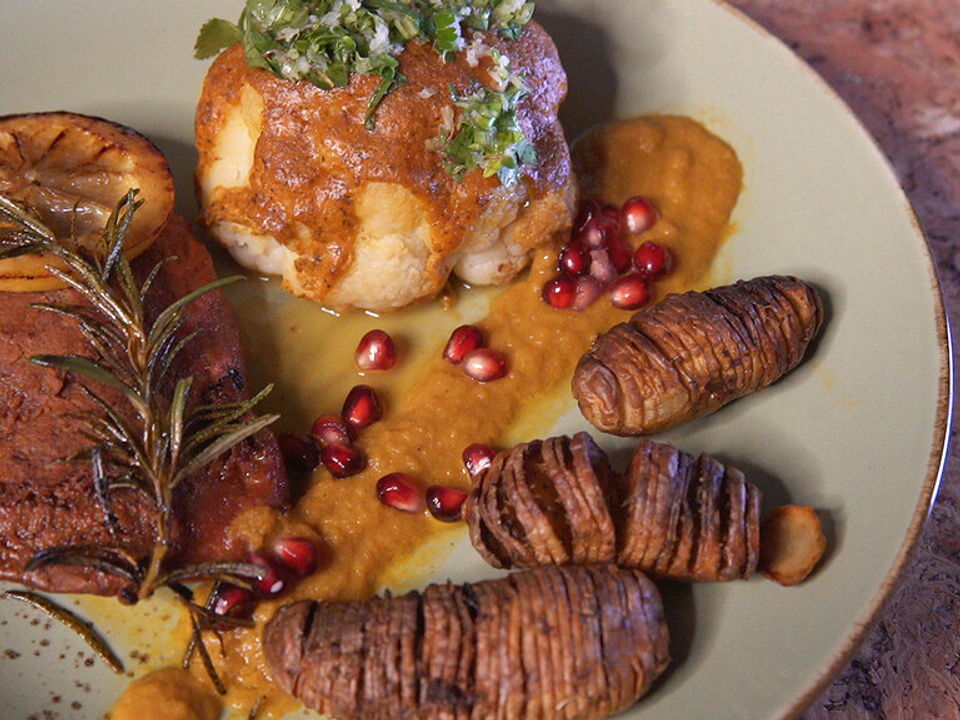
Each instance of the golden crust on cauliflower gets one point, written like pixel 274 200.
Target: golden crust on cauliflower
pixel 292 182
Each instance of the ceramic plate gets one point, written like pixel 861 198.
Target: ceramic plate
pixel 857 431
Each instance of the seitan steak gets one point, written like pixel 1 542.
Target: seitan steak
pixel 45 503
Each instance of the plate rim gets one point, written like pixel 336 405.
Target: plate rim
pixel 845 646
pixel 940 444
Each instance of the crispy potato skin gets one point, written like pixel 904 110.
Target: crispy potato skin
pixel 312 163
pixel 573 643
pixel 690 354
pixel 792 543
pixel 670 515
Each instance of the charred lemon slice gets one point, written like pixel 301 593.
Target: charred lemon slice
pixel 72 170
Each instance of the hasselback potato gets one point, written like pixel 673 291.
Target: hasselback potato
pixel 671 514
pixel 690 354
pixel 545 502
pixel 556 643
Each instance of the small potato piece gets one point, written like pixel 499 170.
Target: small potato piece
pixel 689 355
pixel 791 543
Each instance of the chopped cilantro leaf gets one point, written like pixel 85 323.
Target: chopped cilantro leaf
pixel 214 36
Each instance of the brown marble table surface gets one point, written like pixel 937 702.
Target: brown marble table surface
pixel 897 65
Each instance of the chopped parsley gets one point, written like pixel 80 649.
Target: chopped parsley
pixel 487 134
pixel 324 41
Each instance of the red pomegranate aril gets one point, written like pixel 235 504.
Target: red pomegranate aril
pixel 362 407
pixel 463 340
pixel 653 261
pixel 602 268
pixel 591 235
pixel 575 259
pixel 271 583
pixel 585 213
pixel 328 429
pixel 232 601
pixel 609 223
pixel 477 458
pixel 630 292
pixel 298 453
pixel 620 256
pixel 401 491
pixel 561 291
pixel 342 460
pixel 485 364
pixel 444 503
pixel 637 215
pixel 375 351
pixel 588 290
pixel 297 553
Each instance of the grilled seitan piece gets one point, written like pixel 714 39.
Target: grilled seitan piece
pixel 570 643
pixel 690 354
pixel 671 515
pixel 45 503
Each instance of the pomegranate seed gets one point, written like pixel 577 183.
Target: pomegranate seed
pixel 485 364
pixel 331 430
pixel 602 268
pixel 575 259
pixel 342 460
pixel 591 235
pixel 587 210
pixel 588 290
pixel 630 292
pixel 444 503
pixel 477 458
pixel 232 601
pixel 362 407
pixel 376 351
pixel 637 215
pixel 609 221
pixel 652 260
pixel 620 256
pixel 298 454
pixel 401 492
pixel 560 291
pixel 297 553
pixel 272 583
pixel 463 340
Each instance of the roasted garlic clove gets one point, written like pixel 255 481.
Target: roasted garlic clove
pixel 544 502
pixel 690 354
pixel 571 643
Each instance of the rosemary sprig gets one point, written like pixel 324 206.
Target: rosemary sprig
pixel 81 628
pixel 168 441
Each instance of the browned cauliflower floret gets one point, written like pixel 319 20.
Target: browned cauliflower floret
pixel 293 184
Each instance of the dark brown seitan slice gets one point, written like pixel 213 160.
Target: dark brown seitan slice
pixel 556 643
pixel 45 503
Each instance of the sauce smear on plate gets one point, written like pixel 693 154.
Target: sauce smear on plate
pixel 691 176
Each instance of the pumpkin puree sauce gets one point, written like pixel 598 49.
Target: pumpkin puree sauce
pixel 692 177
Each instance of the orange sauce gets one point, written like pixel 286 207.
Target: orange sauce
pixel 690 175
pixel 167 694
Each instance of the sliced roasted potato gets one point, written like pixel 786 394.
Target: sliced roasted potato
pixel 791 543
pixel 72 170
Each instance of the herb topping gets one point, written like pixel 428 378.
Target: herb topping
pixel 324 41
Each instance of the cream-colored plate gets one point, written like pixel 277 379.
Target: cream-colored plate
pixel 858 430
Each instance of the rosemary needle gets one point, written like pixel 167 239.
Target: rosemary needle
pixel 62 615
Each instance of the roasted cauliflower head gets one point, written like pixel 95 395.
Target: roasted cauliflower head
pixel 293 184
